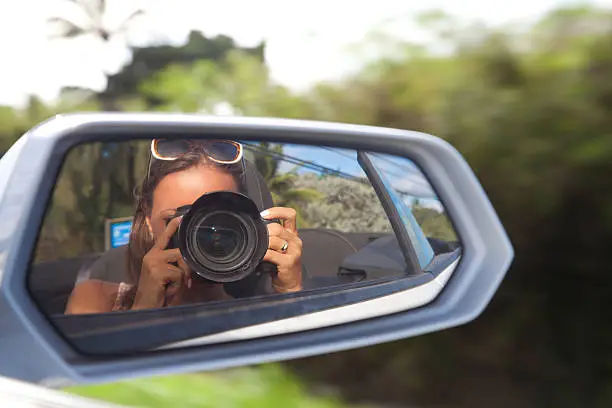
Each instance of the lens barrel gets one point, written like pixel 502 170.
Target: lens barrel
pixel 222 236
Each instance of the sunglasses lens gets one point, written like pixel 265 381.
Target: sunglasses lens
pixel 170 149
pixel 221 150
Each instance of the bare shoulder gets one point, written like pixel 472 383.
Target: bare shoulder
pixel 92 296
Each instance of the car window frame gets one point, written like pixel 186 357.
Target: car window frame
pixel 423 249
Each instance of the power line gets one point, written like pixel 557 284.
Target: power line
pixel 373 154
pixel 313 166
pixel 307 164
pixel 397 165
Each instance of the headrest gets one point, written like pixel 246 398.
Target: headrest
pixel 255 187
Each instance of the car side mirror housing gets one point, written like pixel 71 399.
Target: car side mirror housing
pixel 437 284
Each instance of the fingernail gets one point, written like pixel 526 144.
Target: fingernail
pixel 189 283
pixel 265 213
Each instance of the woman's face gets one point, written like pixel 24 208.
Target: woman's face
pixel 183 188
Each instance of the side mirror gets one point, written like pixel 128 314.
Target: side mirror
pixel 382 234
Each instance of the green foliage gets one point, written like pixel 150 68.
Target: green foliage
pixel 346 205
pixel 283 186
pixel 269 386
pixel 239 79
pixel 193 88
pixel 97 182
pixel 147 62
pixel 531 111
pixel 12 124
pixel 434 224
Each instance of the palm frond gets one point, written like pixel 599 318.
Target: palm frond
pixel 280 186
pixel 295 169
pixel 101 6
pixel 93 8
pixel 282 178
pixel 66 28
pixel 135 14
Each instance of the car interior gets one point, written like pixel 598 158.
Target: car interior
pixel 330 257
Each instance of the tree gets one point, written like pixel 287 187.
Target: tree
pixel 85 195
pixel 11 126
pixel 93 12
pixel 94 25
pixel 240 80
pixel 283 186
pixel 149 61
pixel 347 205
pixel 531 113
pixel 434 224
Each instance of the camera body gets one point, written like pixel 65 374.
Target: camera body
pixel 223 238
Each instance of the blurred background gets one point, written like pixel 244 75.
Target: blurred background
pixel 523 90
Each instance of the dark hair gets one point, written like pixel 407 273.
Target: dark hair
pixel 141 241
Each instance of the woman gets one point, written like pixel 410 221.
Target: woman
pixel 156 276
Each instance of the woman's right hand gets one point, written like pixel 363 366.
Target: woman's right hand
pixel 160 278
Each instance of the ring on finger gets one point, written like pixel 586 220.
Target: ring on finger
pixel 284 247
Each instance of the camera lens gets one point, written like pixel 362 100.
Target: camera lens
pixel 221 237
pixel 222 244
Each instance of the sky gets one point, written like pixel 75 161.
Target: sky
pixel 401 173
pixel 306 41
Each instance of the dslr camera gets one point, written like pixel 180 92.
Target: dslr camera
pixel 222 237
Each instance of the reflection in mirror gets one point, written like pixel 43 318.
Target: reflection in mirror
pixel 166 223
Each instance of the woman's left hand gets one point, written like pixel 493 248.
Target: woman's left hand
pixel 284 249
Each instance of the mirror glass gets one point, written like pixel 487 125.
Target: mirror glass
pixel 172 224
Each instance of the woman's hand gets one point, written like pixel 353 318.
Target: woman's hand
pixel 159 278
pixel 284 249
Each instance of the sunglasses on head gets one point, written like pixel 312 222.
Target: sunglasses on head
pixel 218 151
pixel 225 152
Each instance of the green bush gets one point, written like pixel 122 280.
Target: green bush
pixel 266 386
